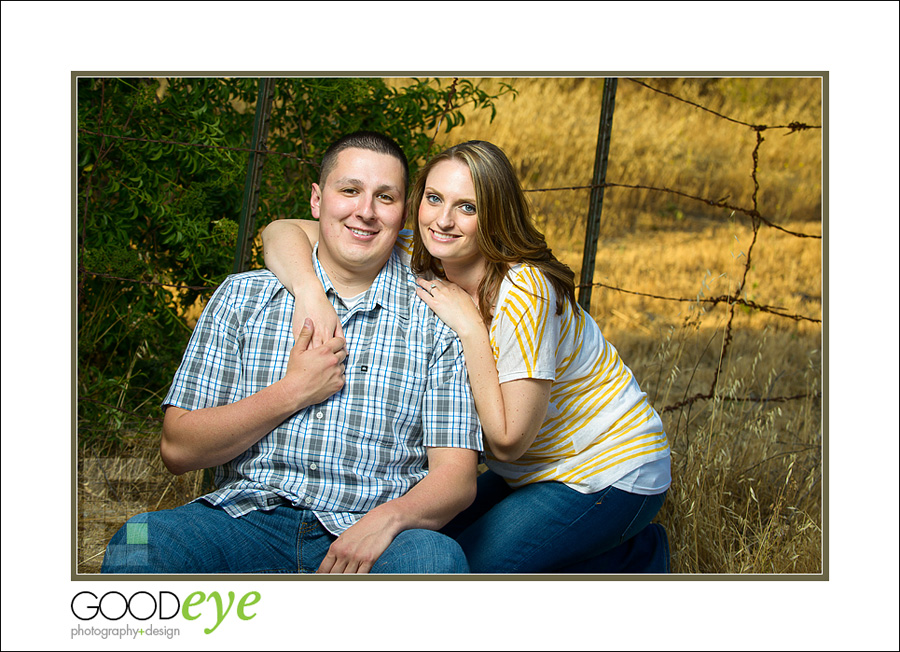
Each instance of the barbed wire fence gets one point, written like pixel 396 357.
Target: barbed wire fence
pixel 732 301
pixel 736 298
pixel 113 488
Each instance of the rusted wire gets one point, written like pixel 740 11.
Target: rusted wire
pixel 719 203
pixel 725 298
pixel 200 145
pixel 202 288
pixel 739 399
pixel 732 301
pixel 793 126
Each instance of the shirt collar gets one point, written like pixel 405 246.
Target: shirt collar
pixel 390 289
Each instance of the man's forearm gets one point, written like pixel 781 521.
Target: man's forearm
pixel 448 489
pixel 199 439
pixel 435 500
pixel 211 436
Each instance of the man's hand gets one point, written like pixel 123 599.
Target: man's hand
pixel 318 371
pixel 359 547
pixel 210 436
pixel 448 489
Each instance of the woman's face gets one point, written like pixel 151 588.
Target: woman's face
pixel 448 214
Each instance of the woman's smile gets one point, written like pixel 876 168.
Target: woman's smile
pixel 443 237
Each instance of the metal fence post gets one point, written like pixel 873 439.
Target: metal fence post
pixel 247 227
pixel 601 159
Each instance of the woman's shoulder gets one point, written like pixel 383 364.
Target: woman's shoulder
pixel 404 245
pixel 528 278
pixel 525 291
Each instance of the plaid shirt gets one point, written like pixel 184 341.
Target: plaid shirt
pixel 406 388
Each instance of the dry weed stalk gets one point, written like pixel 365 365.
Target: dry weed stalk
pixel 747 471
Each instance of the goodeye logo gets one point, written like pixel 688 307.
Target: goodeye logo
pixel 143 605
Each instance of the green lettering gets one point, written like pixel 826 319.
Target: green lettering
pixel 190 602
pixel 246 603
pixel 220 616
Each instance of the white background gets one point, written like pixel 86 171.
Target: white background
pixel 857 43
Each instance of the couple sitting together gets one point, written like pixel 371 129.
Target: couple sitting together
pixel 345 397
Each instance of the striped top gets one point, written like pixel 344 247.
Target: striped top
pixel 600 428
pixel 406 389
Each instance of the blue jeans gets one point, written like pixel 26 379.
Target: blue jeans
pixel 547 527
pixel 198 538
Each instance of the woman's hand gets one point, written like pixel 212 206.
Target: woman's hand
pixel 317 307
pixel 287 247
pixel 452 305
pixel 512 413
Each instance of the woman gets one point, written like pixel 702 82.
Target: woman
pixel 578 459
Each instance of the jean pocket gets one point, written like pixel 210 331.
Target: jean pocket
pixel 649 507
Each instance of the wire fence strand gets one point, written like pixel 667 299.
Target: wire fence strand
pixel 731 301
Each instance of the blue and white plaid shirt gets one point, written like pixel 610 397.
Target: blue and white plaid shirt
pixel 406 389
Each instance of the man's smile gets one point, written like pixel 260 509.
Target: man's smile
pixel 361 232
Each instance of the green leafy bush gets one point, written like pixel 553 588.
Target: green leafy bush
pixel 161 168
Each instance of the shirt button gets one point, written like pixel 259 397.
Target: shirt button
pixel 308 500
pixel 313 466
pixel 319 415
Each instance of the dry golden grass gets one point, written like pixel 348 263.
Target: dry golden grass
pixel 114 487
pixel 549 131
pixel 747 467
pixel 747 491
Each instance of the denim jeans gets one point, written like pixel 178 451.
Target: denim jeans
pixel 198 538
pixel 547 527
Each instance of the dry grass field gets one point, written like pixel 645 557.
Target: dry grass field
pixel 747 493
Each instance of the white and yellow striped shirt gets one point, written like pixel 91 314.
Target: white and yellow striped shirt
pixel 600 428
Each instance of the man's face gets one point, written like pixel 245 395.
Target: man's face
pixel 360 212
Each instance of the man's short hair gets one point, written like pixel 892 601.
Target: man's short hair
pixel 370 140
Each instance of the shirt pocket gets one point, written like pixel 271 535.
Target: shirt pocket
pixel 387 388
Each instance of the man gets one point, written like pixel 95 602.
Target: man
pixel 339 458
